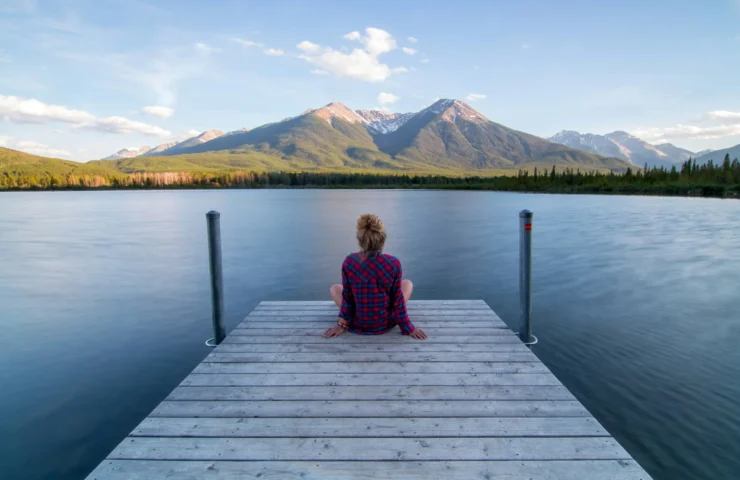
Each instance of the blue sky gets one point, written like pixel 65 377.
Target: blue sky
pixel 83 79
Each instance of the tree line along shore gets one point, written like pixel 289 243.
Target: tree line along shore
pixel 690 179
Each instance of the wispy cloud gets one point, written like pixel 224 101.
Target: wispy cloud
pixel 475 96
pixel 159 70
pixel 687 132
pixel 34 148
pixel 41 149
pixel 412 39
pixel 22 110
pixel 318 71
pixel 361 63
pixel 424 60
pixel 274 52
pixel 309 48
pixel 525 46
pixel 246 43
pixel 158 111
pixel 723 115
pixel 385 98
pixel 207 49
pixel 702 131
pixel 408 51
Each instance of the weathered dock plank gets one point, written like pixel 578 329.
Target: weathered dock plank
pixel 378 379
pixel 407 470
pixel 389 449
pixel 370 427
pixel 378 367
pixel 371 408
pixel 276 400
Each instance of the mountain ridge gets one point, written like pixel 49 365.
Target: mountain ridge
pixel 624 146
pixel 448 135
pixel 718 156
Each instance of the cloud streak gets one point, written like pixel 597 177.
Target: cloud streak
pixel 206 49
pixel 385 98
pixel 36 148
pixel 703 131
pixel 32 111
pixel 361 63
pixel 475 96
pixel 158 111
pixel 159 71
pixel 687 132
pixel 246 43
pixel 723 115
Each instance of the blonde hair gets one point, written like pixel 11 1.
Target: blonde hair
pixel 370 234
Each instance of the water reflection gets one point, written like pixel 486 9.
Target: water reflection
pixel 635 303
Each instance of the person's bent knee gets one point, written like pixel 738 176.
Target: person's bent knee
pixel 407 283
pixel 336 288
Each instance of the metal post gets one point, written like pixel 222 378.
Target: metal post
pixel 217 281
pixel 525 277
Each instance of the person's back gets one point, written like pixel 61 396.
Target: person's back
pixel 372 300
pixel 373 294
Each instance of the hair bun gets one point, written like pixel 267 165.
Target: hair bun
pixel 370 222
pixel 370 233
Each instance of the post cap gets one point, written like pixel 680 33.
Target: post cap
pixel 525 214
pixel 213 213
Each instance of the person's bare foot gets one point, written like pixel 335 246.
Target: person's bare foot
pixel 334 332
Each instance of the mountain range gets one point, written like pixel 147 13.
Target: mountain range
pixel 718 156
pixel 625 147
pixel 171 148
pixel 449 135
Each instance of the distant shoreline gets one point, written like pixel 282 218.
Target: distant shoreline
pixel 692 180
pixel 693 191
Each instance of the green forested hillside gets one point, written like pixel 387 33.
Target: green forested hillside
pixel 14 162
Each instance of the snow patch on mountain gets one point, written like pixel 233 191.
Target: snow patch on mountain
pixel 380 122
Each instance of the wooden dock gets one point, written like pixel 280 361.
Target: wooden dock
pixel 278 401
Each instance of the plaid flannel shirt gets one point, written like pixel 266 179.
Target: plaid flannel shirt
pixel 372 300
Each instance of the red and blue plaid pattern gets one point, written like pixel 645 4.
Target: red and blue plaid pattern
pixel 372 300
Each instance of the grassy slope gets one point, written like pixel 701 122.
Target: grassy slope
pixel 21 163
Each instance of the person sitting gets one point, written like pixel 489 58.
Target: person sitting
pixel 372 297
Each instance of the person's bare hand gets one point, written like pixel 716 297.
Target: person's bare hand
pixel 419 334
pixel 334 332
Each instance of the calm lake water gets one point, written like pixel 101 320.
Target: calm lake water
pixel 104 304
